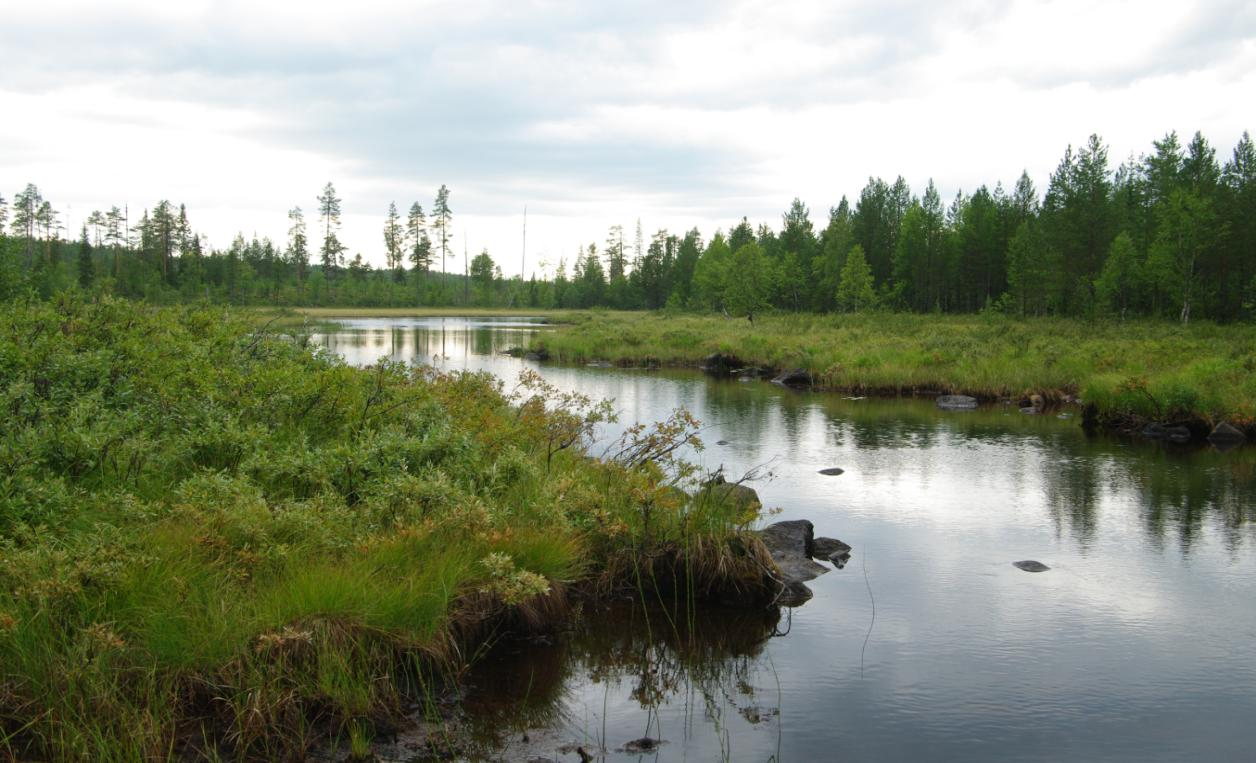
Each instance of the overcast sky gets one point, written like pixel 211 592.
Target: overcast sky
pixel 590 113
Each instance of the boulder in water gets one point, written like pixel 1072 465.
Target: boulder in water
pixel 1226 433
pixel 956 402
pixel 832 471
pixel 826 548
pixel 790 544
pixel 796 377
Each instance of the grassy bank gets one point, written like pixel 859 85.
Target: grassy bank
pixel 216 542
pixel 1141 369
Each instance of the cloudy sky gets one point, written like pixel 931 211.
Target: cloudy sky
pixel 677 113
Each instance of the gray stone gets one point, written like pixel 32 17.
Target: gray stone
pixel 1179 434
pixel 796 377
pixel 956 402
pixel 644 744
pixel 832 471
pixel 790 544
pixel 735 494
pixel 1029 565
pixel 825 548
pixel 1226 433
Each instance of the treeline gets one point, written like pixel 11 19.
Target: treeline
pixel 1169 234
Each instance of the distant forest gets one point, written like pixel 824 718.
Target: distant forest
pixel 1170 234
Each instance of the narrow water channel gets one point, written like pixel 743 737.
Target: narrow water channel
pixel 1138 644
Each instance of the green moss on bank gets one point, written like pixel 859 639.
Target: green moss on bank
pixel 219 541
pixel 1143 368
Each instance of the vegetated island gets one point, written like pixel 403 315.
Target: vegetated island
pixel 1126 374
pixel 217 542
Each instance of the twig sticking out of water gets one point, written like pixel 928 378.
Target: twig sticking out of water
pixel 871 598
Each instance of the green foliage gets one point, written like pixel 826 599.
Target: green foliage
pixel 205 525
pixel 854 291
pixel 1203 370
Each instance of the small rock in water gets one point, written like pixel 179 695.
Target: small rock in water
pixel 956 402
pixel 796 377
pixel 832 471
pixel 824 548
pixel 1029 565
pixel 644 744
pixel 1226 433
pixel 722 442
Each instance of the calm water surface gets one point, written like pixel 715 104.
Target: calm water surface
pixel 1138 644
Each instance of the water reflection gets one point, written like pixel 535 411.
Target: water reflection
pixel 625 673
pixel 1139 643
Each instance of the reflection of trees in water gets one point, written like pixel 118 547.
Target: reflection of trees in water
pixel 1072 488
pixel 661 654
pixel 738 411
pixel 1175 491
pixel 1180 491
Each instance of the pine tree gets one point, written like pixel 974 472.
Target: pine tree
pixel 1121 278
pixel 25 225
pixel 442 219
pixel 394 242
pixel 329 212
pixel 86 270
pixel 417 240
pixel 298 244
pixel 855 292
pixel 615 263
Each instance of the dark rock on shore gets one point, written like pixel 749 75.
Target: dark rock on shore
pixel 719 364
pixel 1029 565
pixel 832 471
pixel 796 377
pixel 956 402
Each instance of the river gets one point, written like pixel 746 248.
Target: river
pixel 1138 644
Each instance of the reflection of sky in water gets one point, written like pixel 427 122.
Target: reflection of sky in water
pixel 1140 643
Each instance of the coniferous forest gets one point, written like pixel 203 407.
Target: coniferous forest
pixel 1170 234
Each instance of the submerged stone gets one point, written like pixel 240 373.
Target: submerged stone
pixel 1029 565
pixel 644 744
pixel 956 402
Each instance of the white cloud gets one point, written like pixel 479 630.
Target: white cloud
pixel 683 115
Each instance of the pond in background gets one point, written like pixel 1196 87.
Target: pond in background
pixel 1138 644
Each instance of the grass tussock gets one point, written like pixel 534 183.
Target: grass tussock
pixel 219 542
pixel 1146 369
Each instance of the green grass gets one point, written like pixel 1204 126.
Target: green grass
pixel 216 542
pixel 1144 368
